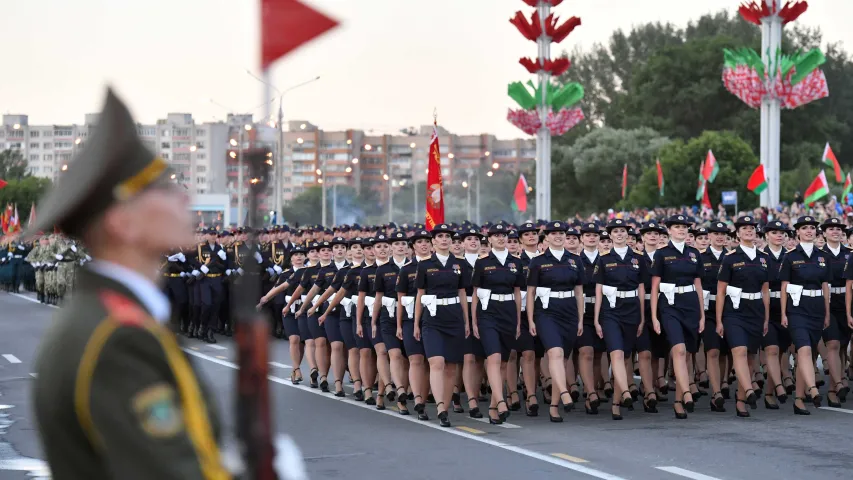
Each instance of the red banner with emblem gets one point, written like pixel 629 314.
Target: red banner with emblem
pixel 435 189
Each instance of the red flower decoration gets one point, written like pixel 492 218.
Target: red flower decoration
pixel 791 12
pixel 554 67
pixel 753 13
pixel 558 123
pixel 558 34
pixel 527 120
pixel 532 30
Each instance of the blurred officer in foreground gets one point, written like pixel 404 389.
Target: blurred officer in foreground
pixel 115 396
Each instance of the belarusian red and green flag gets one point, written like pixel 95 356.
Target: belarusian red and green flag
pixel 830 161
pixel 700 189
pixel 660 177
pixel 519 197
pixel 710 168
pixel 848 185
pixel 818 189
pixel 757 181
pixel 624 180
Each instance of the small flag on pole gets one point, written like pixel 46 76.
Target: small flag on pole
pixel 700 188
pixel 2 183
pixel 624 180
pixel 434 184
pixel 710 168
pixel 519 196
pixel 32 218
pixel 705 200
pixel 848 185
pixel 660 177
pixel 757 181
pixel 818 189
pixel 830 161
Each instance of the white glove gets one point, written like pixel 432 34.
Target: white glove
pixel 196 273
pixel 59 257
pixel 277 269
pixel 228 272
pixel 82 262
pixel 21 247
pixel 205 269
pixel 270 271
pixel 35 264
pixel 73 248
pixel 258 257
pixel 182 257
pixel 240 271
pixel 8 254
pixel 173 258
pixel 88 258
pixel 221 254
pixel 183 274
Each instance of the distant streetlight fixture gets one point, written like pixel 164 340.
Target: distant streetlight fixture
pixel 233 142
pixel 173 176
pixel 233 154
pixel 451 156
pixel 299 140
pixel 77 141
pixel 368 147
pixel 302 127
pixel 355 161
pixel 386 177
pixel 496 165
pixel 464 184
pixel 319 180
pixel 319 172
pixel 402 183
pixel 16 126
pixel 349 141
pixel 488 153
pixel 247 127
pixel 529 189
pixel 490 173
pixel 269 162
pixel 349 170
pixel 193 148
pixel 64 167
pixel 412 145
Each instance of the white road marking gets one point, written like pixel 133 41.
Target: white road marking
pixel 279 365
pixel 452 431
pixel 218 347
pixel 11 358
pixel 503 425
pixel 686 473
pixel 34 375
pixel 833 409
pixel 29 299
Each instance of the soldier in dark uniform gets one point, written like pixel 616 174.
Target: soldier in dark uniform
pixel 174 270
pixel 716 348
pixel 837 335
pixel 115 397
pixel 209 266
pixel 777 341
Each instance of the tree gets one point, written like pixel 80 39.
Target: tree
pixel 588 176
pixel 23 190
pixel 680 162
pixel 13 166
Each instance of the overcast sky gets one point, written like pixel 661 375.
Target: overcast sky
pixel 386 67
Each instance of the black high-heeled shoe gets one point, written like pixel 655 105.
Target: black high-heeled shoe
pixel 456 403
pixel 357 393
pixel 294 378
pixel 506 413
pixel 718 402
pixel 474 412
pixel 789 387
pixel 689 406
pixel 698 394
pixel 546 389
pixel 751 399
pixel 635 391
pixel 340 393
pixel 420 409
pixel 324 384
pixel 842 392
pixel 567 406
pixel 589 408
pixel 768 405
pixel 818 380
pixel 494 421
pixel 664 389
pixel 741 414
pixel 516 405
pixel 829 401
pixel 368 397
pixel 781 397
pixel 608 390
pixel 704 383
pixel 798 410
pixel 401 401
pixel 314 375
pixel 627 401
pixel 759 382
pixel 558 418
pixel 816 399
pixel 576 393
pixel 532 408
pixel 613 415
pixel 390 394
pixel 679 416
pixel 594 402
pixel 650 403
pixel 442 416
pixel 727 394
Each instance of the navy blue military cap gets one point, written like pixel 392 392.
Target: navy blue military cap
pixel 339 241
pixel 442 228
pixel 527 227
pixel 617 223
pixel 805 220
pixel 679 220
pixel 556 226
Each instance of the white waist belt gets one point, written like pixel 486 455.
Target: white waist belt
pixel 797 291
pixel 750 296
pixel 627 294
pixel 775 294
pixel 648 296
pixel 588 299
pixel 670 290
pixel 566 294
pixel 545 294
pixel 836 290
pixel 812 293
pixel 431 302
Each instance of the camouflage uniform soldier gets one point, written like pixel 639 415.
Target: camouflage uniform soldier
pixel 50 288
pixel 37 258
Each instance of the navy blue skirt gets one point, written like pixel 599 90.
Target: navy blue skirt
pixel 317 330
pixel 777 336
pixel 332 326
pixel 291 326
pixel 413 347
pixel 805 330
pixel 838 329
pixel 618 335
pixel 444 334
pixel 556 332
pixel 681 321
pixel 347 332
pixel 388 331
pixel 304 331
pixel 496 341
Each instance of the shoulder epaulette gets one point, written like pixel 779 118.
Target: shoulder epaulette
pixel 790 250
pixel 703 250
pixel 123 310
pixel 731 252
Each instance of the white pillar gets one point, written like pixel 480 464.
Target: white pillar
pixel 771 42
pixel 543 137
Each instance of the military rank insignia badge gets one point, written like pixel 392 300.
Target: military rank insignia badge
pixel 821 261
pixel 635 263
pixel 457 270
pixel 157 411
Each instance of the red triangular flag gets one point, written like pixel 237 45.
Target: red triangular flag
pixel 2 183
pixel 286 25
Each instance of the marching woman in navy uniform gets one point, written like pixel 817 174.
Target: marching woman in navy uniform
pixel 805 277
pixel 777 341
pixel 364 312
pixel 716 348
pixel 384 318
pixel 554 309
pixel 743 307
pixel 343 297
pixel 291 326
pixel 496 314
pixel 529 347
pixel 407 292
pixel 306 281
pixel 441 317
pixel 677 291
pixel 619 308
pixel 589 345
pixel 651 343
pixel 837 335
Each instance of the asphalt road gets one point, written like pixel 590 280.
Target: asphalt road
pixel 343 438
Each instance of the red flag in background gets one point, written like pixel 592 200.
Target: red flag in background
pixel 519 196
pixel 286 25
pixel 624 180
pixel 2 183
pixel 706 202
pixel 32 219
pixel 435 189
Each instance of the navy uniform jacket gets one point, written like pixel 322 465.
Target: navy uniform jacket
pixel 406 283
pixel 737 270
pixel 681 269
pixel 351 275
pixel 625 274
pixel 309 276
pixel 386 282
pixel 326 278
pixel 443 281
pixel 836 301
pixel 501 279
pixel 810 273
pixel 710 270
pixel 560 276
pixel 204 254
pixel 774 265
